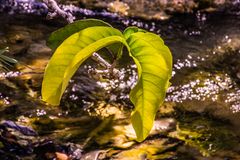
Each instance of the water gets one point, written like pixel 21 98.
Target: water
pixel 202 105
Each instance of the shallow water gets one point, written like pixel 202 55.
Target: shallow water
pixel 199 119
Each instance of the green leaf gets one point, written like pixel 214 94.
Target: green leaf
pixel 8 59
pixel 69 56
pixel 4 50
pixel 130 30
pixel 116 50
pixel 76 42
pixel 154 63
pixel 57 37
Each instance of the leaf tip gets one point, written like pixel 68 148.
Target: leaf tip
pixel 138 125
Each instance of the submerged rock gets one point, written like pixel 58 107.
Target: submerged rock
pixel 21 141
pixel 39 48
pixel 213 93
pixel 161 148
pixel 209 136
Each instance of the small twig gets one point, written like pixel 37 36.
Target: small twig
pixel 105 64
pixel 56 10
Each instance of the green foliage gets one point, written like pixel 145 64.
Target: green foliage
pixel 57 37
pixel 5 61
pixel 78 41
pixel 153 60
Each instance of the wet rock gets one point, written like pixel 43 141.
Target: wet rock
pixel 210 137
pixel 47 149
pixel 163 125
pixel 39 49
pixel 208 83
pixel 18 39
pixel 118 7
pixel 116 137
pixel 238 74
pixel 61 156
pixel 157 9
pixel 205 92
pixel 93 155
pixel 72 126
pixel 229 62
pixel 16 138
pixel 123 136
pixel 24 130
pixel 21 141
pixel 151 149
pixel 84 91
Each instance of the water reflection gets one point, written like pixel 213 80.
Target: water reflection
pixel 234 100
pixel 10 74
pixel 200 89
pixel 4 100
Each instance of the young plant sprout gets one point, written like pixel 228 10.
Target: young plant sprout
pixel 77 41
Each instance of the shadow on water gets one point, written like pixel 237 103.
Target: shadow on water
pixel 199 119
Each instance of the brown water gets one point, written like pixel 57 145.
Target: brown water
pixel 199 119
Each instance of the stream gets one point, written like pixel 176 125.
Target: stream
pixel 198 120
